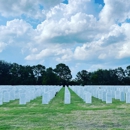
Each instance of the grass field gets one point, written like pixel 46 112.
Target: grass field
pixel 58 116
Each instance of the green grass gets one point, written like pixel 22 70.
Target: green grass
pixel 59 116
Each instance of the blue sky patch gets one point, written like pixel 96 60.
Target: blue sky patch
pixel 65 1
pixel 100 2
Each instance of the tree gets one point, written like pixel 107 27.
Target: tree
pixel 113 79
pixel 22 75
pixel 27 76
pixel 15 74
pixel 127 78
pixel 64 73
pixel 121 75
pixel 50 78
pixel 38 71
pixel 83 77
pixel 4 72
pixel 94 78
pixel 102 77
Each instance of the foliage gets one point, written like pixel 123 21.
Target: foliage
pixel 15 74
pixel 83 77
pixel 50 78
pixel 63 72
pixel 4 72
pixel 104 77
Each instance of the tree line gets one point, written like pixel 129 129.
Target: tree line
pixel 15 74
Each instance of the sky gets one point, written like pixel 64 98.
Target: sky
pixel 83 34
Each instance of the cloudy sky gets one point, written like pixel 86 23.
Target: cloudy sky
pixel 83 34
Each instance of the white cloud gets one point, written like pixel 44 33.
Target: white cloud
pixel 71 28
pixel 30 8
pixel 124 51
pixel 15 31
pixel 76 25
pixel 57 51
pixel 124 47
pixel 81 53
pixel 66 55
pixel 43 53
pixel 115 11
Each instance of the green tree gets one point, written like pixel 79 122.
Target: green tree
pixel 83 77
pixel 27 76
pixel 15 74
pixel 38 71
pixel 4 73
pixel 50 78
pixel 22 75
pixel 64 73
pixel 127 78
pixel 120 73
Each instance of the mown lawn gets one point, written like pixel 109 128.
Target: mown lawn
pixel 58 116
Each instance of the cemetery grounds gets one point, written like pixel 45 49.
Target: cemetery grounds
pixel 59 116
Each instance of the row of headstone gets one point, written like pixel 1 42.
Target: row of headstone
pixel 105 93
pixel 49 94
pixel 85 95
pixel 27 93
pixel 67 96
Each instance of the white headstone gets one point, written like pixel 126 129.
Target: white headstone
pixel 128 97
pixel 108 97
pixel 6 97
pixel 1 98
pixel 104 96
pixel 12 94
pixel 122 98
pixel 88 97
pixel 22 98
pixel 45 98
pixel 16 94
pixel 117 94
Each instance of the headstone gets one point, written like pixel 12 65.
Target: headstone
pixel 128 97
pixel 16 94
pixel 104 96
pixel 117 94
pixel 108 97
pixel 45 97
pixel 88 97
pixel 1 98
pixel 22 98
pixel 6 97
pixel 12 94
pixel 122 98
